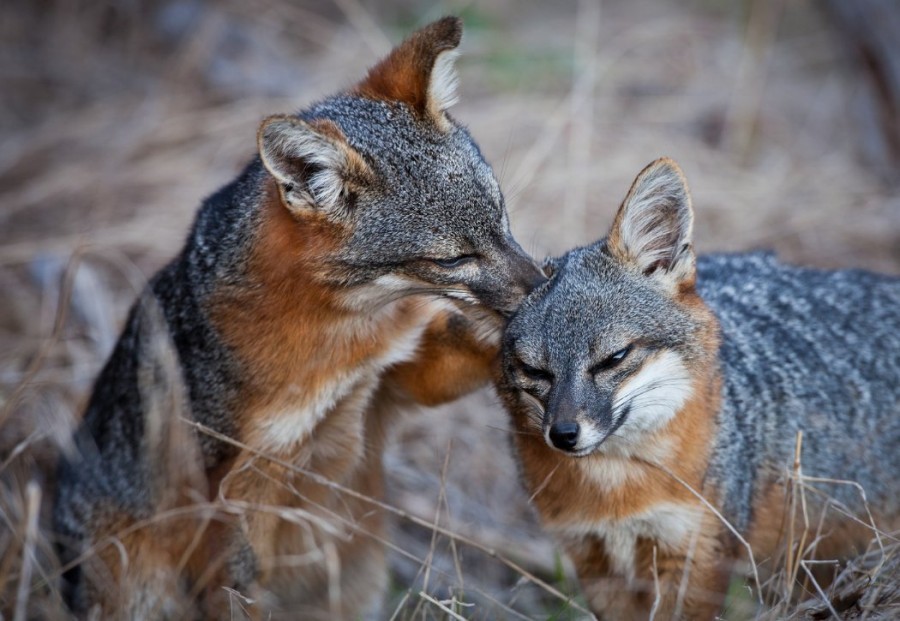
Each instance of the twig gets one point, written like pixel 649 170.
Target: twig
pixel 21 446
pixel 871 524
pixel 544 483
pixel 442 495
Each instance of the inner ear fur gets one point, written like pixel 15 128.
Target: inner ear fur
pixel 312 162
pixel 653 228
pixel 420 71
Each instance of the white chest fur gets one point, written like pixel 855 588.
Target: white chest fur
pixel 348 390
pixel 668 525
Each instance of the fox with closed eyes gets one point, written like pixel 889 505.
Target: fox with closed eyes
pixel 640 377
pixel 361 264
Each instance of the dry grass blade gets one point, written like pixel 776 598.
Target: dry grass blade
pixel 686 574
pixel 876 532
pixel 805 565
pixel 33 507
pixel 794 553
pixel 20 449
pixel 657 595
pixel 393 510
pixel 59 321
pixel 442 606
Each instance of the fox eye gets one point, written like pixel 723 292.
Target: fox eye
pixel 535 374
pixel 612 361
pixel 453 262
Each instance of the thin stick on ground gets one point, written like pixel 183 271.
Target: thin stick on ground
pixel 442 496
pixel 20 448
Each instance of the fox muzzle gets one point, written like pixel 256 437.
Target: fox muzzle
pixel 572 426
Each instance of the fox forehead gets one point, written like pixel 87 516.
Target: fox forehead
pixel 591 308
pixel 420 161
pixel 434 193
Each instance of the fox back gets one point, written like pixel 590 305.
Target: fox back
pixel 812 351
pixel 640 378
pixel 278 333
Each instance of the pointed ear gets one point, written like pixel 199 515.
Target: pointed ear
pixel 313 164
pixel 652 229
pixel 420 72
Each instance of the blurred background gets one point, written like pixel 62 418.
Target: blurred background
pixel 117 118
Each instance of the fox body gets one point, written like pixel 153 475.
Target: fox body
pixel 361 263
pixel 638 378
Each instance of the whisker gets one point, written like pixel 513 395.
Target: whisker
pixel 393 296
pixel 651 386
pixel 534 411
pixel 513 431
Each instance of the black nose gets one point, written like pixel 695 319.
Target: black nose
pixel 564 436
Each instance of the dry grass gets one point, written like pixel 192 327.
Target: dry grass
pixel 118 119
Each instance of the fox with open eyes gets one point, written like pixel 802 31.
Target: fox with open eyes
pixel 639 375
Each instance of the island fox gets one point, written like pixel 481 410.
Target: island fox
pixel 636 376
pixel 361 262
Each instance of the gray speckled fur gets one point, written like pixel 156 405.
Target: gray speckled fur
pixel 107 468
pixel 812 350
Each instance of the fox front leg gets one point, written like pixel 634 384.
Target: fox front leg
pixel 685 584
pixel 455 357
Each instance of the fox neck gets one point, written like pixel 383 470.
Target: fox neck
pixel 302 350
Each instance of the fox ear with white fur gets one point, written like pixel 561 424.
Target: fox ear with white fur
pixel 652 229
pixel 420 72
pixel 314 165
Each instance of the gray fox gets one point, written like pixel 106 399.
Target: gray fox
pixel 637 372
pixel 362 262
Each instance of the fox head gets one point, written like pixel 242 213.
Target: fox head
pixel 400 184
pixel 610 347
